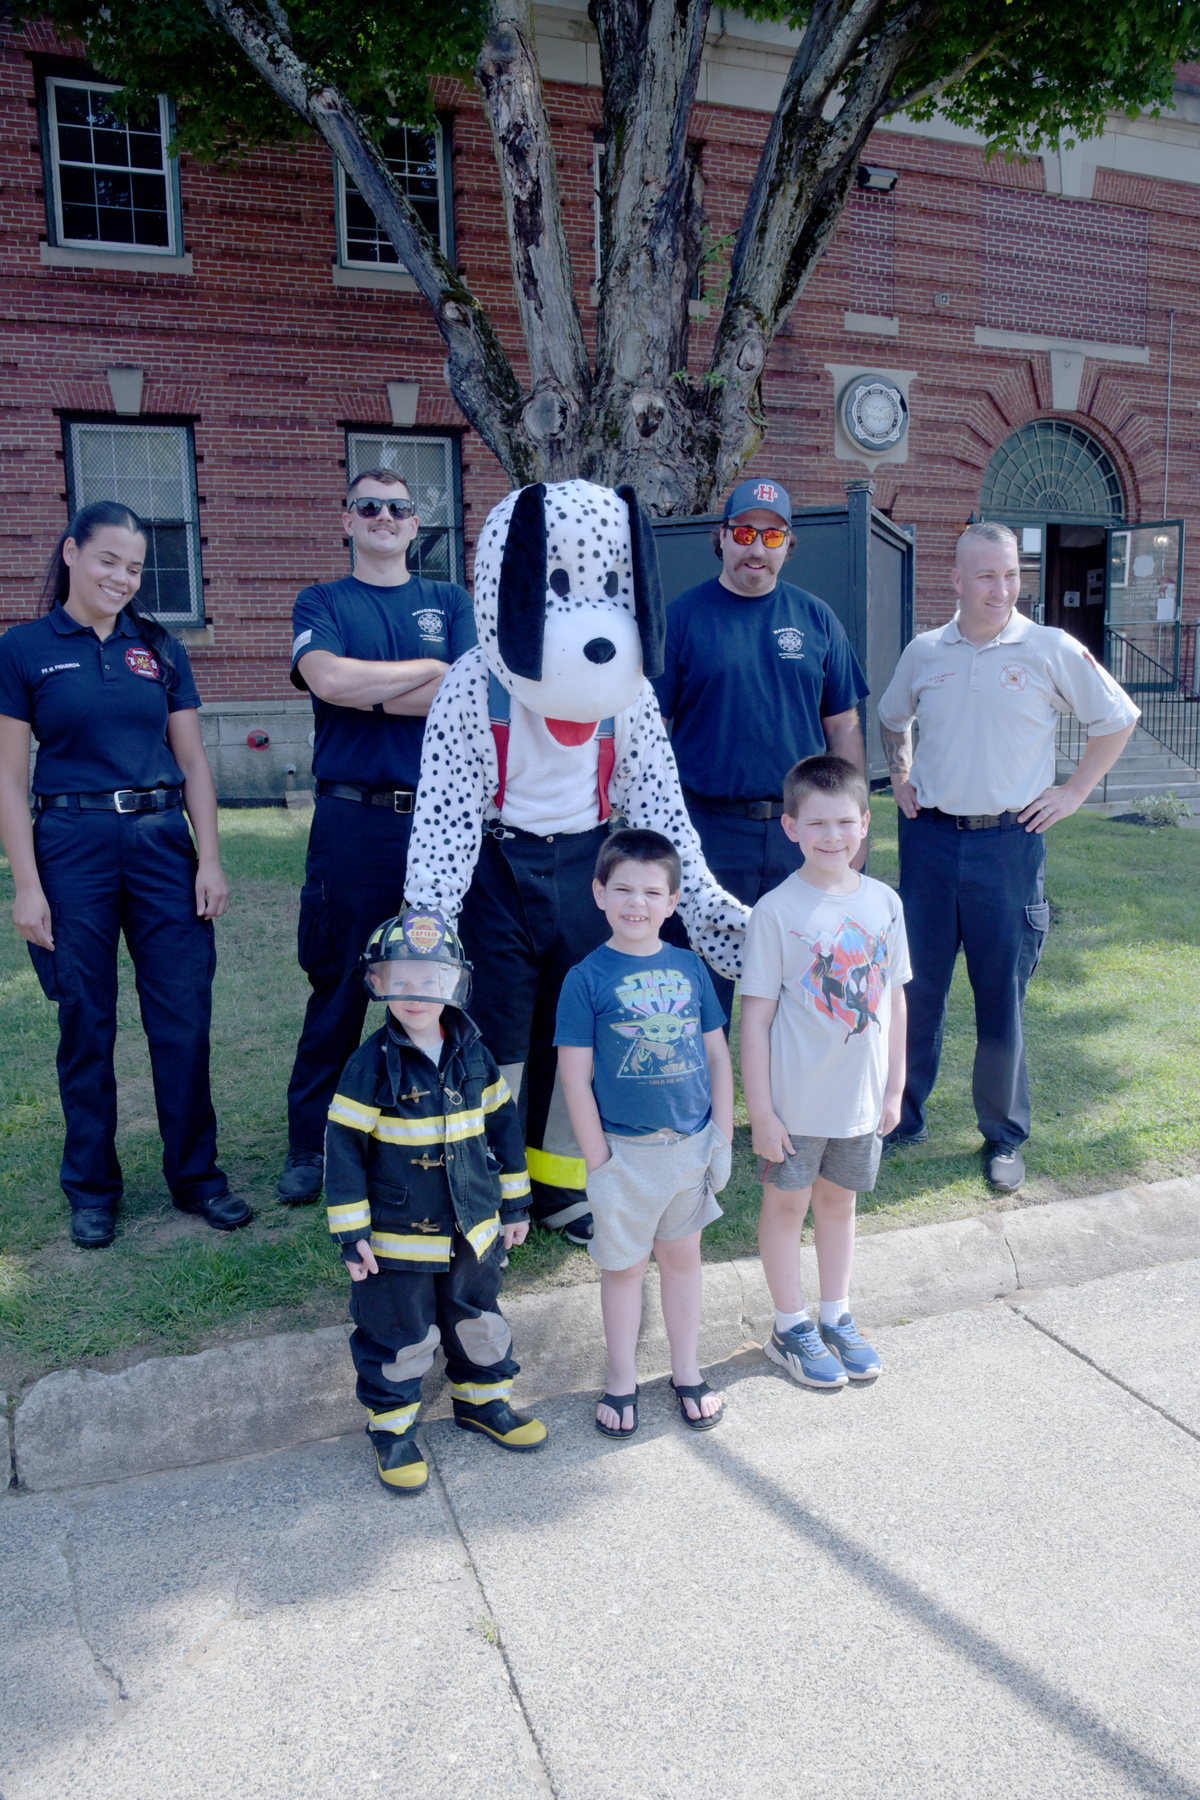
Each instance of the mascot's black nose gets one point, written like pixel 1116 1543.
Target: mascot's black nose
pixel 599 650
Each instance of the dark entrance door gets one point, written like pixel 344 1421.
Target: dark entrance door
pixel 1076 557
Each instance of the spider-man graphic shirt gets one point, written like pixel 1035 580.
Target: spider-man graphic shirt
pixel 830 961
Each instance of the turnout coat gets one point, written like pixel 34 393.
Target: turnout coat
pixel 412 1150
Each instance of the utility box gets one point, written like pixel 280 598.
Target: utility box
pixel 851 556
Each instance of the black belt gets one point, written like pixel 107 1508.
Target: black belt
pixel 977 821
pixel 122 800
pixel 735 809
pixel 399 799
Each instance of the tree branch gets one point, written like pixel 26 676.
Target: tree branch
pixel 480 375
pixel 931 89
pixel 508 77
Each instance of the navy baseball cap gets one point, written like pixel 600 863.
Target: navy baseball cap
pixel 748 495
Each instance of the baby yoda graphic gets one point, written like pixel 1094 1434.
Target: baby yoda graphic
pixel 664 1041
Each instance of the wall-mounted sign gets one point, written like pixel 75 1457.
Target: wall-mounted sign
pixel 1071 597
pixel 874 412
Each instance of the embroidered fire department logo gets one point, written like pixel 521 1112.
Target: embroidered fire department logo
pixel 790 641
pixel 1013 677
pixel 430 624
pixel 766 492
pixel 424 933
pixel 142 663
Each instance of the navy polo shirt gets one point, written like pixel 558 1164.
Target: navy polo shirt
pixel 98 710
pixel 747 682
pixel 377 624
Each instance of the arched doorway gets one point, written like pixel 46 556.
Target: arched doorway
pixel 1060 491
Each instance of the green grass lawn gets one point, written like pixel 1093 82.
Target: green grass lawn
pixel 1114 1054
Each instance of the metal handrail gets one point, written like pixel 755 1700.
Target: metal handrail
pixel 1170 713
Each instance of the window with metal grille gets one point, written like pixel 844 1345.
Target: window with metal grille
pixel 112 178
pixel 429 468
pixel 1054 471
pixel 152 470
pixel 416 157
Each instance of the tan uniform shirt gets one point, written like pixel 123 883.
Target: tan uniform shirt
pixel 987 714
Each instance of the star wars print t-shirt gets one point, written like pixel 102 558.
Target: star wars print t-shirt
pixel 644 1019
pixel 831 961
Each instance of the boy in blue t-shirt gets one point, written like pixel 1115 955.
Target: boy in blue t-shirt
pixel 649 1086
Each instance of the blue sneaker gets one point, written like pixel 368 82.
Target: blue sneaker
pixel 801 1352
pixel 860 1362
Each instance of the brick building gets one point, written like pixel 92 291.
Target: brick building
pixel 218 347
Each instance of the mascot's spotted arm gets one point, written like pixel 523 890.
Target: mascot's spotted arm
pixel 536 736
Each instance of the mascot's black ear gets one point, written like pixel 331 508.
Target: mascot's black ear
pixel 647 585
pixel 521 599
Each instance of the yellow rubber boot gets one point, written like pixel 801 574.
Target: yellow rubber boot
pixel 398 1462
pixel 498 1420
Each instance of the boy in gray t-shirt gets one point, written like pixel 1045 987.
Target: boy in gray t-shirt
pixel 823 1025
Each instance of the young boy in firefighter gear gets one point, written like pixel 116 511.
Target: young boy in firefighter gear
pixel 426 1186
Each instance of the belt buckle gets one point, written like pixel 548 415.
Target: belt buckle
pixel 758 809
pixel 121 794
pixel 402 800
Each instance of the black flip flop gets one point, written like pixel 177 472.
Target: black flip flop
pixel 697 1393
pixel 619 1402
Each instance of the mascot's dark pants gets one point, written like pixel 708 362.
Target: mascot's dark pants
pixel 528 917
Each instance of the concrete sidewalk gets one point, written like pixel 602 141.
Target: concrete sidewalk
pixel 978 1577
pixel 261 1394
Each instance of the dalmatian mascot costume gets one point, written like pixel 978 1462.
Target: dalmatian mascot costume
pixel 536 736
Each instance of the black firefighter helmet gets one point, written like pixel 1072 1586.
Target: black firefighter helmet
pixel 418 954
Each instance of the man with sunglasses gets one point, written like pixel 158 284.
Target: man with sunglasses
pixel 757 675
pixel 372 649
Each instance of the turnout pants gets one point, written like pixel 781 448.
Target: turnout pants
pixel 528 917
pixel 105 873
pixel 748 857
pixel 981 890
pixel 353 880
pixel 401 1316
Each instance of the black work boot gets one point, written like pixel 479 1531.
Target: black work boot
pixel 498 1420
pixel 302 1177
pixel 92 1227
pixel 398 1462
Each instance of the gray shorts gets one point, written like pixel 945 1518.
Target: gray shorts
pixel 651 1189
pixel 848 1162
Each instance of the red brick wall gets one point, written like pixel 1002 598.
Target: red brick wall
pixel 1072 267
pixel 272 361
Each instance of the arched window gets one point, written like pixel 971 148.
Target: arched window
pixel 1052 470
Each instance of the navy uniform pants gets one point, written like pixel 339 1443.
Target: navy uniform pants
pixel 353 880
pixel 105 873
pixel 401 1316
pixel 981 890
pixel 528 917
pixel 748 857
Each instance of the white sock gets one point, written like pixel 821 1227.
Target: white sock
pixel 832 1310
pixel 785 1321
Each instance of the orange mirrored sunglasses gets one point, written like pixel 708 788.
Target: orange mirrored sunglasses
pixel 772 537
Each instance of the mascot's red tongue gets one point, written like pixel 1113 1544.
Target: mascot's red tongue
pixel 568 733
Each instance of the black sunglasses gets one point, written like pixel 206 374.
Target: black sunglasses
pixel 370 507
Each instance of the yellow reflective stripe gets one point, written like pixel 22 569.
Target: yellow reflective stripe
pixel 512 1186
pixel 464 1125
pixel 481 1235
pixel 411 1249
pixel 344 1111
pixel 347 1218
pixel 495 1095
pixel 410 1131
pixel 398 1420
pixel 556 1171
pixel 479 1393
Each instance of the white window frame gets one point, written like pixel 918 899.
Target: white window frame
pixel 345 261
pixel 368 448
pixel 74 431
pixel 170 173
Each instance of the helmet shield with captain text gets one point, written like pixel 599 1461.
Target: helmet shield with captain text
pixel 416 956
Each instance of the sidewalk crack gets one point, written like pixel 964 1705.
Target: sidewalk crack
pixel 1188 1430
pixel 525 1726
pixel 119 1701
pixel 1012 1257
